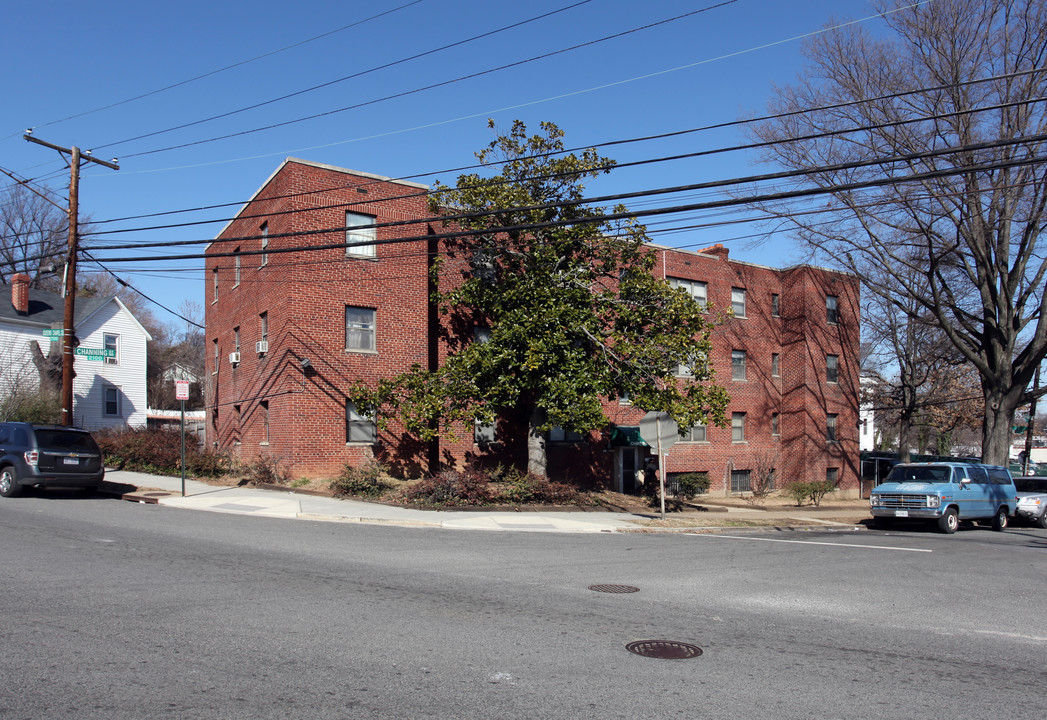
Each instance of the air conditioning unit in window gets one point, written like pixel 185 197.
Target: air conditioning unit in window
pixel 261 347
pixel 234 358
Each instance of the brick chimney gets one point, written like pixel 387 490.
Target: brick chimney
pixel 718 249
pixel 20 293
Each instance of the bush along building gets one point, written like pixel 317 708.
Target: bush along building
pixel 325 280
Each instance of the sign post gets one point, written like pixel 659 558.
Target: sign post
pixel 182 394
pixel 659 430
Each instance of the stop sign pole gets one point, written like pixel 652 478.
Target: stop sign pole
pixel 182 394
pixel 661 431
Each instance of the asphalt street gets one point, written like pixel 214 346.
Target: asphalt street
pixel 121 610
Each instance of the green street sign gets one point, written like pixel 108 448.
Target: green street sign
pixel 95 353
pixel 53 333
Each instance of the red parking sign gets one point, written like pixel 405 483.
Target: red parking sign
pixel 181 389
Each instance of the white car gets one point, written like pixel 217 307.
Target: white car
pixel 1032 499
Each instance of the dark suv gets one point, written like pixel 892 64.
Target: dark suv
pixel 48 456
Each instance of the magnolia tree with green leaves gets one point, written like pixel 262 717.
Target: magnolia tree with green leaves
pixel 550 309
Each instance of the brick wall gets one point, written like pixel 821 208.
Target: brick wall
pixel 270 404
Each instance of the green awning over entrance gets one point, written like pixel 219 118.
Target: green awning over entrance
pixel 627 436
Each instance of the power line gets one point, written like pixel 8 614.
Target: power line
pixel 612 143
pixel 432 86
pixel 227 67
pixel 348 77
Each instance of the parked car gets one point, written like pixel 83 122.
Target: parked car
pixel 945 493
pixel 47 456
pixel 1032 499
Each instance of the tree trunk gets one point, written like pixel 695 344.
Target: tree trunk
pixel 537 460
pixel 996 428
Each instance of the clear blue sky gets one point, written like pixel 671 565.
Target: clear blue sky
pixel 66 59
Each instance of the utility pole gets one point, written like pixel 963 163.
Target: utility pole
pixel 68 331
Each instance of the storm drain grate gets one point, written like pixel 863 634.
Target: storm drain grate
pixel 614 588
pixel 664 649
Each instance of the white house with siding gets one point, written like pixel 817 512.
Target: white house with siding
pixel 109 388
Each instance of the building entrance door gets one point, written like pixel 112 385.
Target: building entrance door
pixel 630 461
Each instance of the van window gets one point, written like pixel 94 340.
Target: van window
pixel 999 476
pixel 958 474
pixel 3 434
pixel 978 475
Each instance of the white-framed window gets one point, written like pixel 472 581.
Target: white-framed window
pixel 832 309
pixel 264 232
pixel 832 368
pixel 737 427
pixel 112 342
pixel 359 329
pixel 695 434
pixel 359 427
pixel 263 326
pixel 236 268
pixel 775 427
pixel 737 365
pixel 111 403
pixel 776 370
pixel 214 283
pixel 695 288
pixel 776 310
pixel 359 238
pixel 738 302
pixel 215 344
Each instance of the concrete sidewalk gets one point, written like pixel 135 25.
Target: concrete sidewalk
pixel 247 500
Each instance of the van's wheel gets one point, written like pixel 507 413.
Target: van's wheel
pixel 999 520
pixel 9 487
pixel 948 522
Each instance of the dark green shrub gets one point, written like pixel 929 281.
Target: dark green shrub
pixel 525 489
pixel 690 484
pixel 364 481
pixel 809 492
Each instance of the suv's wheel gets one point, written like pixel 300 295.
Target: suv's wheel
pixel 9 487
pixel 999 520
pixel 1042 521
pixel 948 522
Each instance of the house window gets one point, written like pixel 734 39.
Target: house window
pixel 214 282
pixel 264 406
pixel 741 480
pixel 775 430
pixel 215 343
pixel 359 427
pixel 359 238
pixel 832 309
pixel 775 367
pixel 695 434
pixel 484 433
pixel 830 428
pixel 775 305
pixel 697 290
pixel 264 232
pixel 623 398
pixel 359 329
pixel 481 334
pixel 832 475
pixel 237 424
pixel 737 365
pixel 738 427
pixel 236 340
pixel 111 401
pixel 832 368
pixel 109 342
pixel 484 265
pixel 738 301
pixel 236 268
pixel 558 434
pixel 263 326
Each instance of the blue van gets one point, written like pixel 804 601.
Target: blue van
pixel 945 493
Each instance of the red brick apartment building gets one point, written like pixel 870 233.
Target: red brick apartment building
pixel 293 317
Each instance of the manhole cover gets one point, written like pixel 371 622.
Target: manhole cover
pixel 614 588
pixel 665 649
